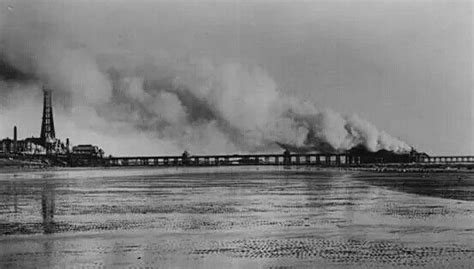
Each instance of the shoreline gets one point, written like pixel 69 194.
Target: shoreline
pixel 376 168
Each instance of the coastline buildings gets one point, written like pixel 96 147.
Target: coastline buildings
pixel 46 144
pixel 30 145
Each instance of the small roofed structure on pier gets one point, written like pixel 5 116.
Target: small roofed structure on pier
pixel 185 157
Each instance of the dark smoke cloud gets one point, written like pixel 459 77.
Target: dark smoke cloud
pixel 189 102
pixel 10 73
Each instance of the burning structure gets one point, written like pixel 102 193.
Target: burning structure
pixel 363 154
pixel 48 144
pixel 386 156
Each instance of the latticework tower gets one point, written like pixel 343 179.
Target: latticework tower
pixel 47 125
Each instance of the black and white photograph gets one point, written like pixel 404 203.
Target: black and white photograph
pixel 236 134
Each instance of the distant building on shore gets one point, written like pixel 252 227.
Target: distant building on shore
pixel 89 150
pixel 29 145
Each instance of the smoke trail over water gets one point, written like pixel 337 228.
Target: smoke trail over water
pixel 190 102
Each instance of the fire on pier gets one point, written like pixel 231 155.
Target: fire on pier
pixel 48 145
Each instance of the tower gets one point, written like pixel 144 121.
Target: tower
pixel 47 125
pixel 15 140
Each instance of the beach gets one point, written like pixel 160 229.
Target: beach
pixel 234 217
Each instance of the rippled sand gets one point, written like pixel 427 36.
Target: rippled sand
pixel 235 217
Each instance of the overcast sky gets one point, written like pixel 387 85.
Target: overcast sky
pixel 405 66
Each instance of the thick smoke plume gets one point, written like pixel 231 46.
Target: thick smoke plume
pixel 188 102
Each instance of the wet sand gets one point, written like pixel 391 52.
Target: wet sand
pixel 236 217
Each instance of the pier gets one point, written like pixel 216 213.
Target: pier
pixel 236 159
pixel 285 159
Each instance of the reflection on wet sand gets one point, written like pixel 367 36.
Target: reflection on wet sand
pixel 47 207
pixel 241 219
pixel 459 186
